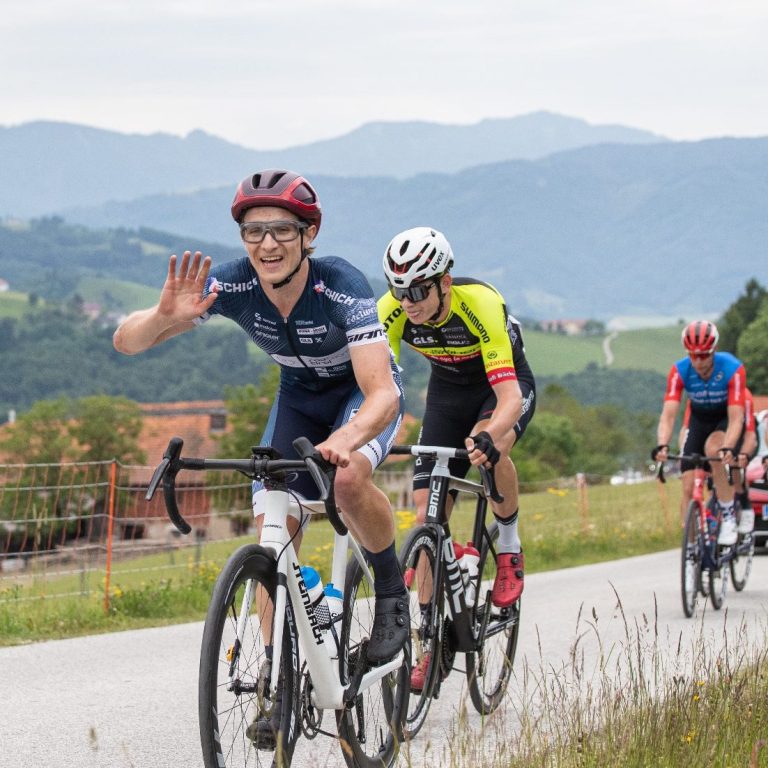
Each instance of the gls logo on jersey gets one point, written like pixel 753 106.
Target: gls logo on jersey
pixel 424 340
pixel 340 298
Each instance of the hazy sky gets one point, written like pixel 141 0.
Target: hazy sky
pixel 270 74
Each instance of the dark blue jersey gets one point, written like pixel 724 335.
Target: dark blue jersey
pixel 336 311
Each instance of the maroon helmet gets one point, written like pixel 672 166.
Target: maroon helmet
pixel 700 337
pixel 282 189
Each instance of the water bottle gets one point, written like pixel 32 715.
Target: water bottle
pixel 316 594
pixel 469 562
pixel 335 601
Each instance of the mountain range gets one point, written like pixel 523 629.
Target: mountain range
pixel 643 226
pixel 48 165
pixel 671 228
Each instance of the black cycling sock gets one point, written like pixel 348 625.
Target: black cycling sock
pixel 387 576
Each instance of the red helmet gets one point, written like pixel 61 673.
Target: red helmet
pixel 283 189
pixel 700 336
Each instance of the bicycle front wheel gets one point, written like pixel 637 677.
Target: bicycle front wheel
pixel 741 565
pixel 691 560
pixel 371 727
pixel 489 669
pixel 418 557
pixel 234 699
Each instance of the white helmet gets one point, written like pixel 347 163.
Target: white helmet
pixel 416 254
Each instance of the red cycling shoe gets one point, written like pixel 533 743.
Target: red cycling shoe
pixel 508 585
pixel 419 674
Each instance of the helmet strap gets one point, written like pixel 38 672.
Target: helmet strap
pixel 441 300
pixel 304 255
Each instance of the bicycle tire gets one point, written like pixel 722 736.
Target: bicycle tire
pixel 691 560
pixel 371 727
pixel 718 584
pixel 225 715
pixel 741 565
pixel 426 630
pixel 489 668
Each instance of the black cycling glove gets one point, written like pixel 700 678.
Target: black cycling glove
pixel 484 443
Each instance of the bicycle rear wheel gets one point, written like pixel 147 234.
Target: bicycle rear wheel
pixel 371 728
pixel 417 559
pixel 741 565
pixel 228 706
pixel 691 559
pixel 488 669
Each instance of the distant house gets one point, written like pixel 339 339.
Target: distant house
pixel 4 285
pixel 198 423
pixel 569 327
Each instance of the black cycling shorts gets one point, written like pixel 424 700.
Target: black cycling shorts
pixel 451 411
pixel 700 427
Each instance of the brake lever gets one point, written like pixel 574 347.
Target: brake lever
pixel 489 483
pixel 323 473
pixel 166 472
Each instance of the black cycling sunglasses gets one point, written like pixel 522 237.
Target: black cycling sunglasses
pixel 415 292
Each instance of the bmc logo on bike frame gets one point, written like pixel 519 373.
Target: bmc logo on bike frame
pixel 455 584
pixel 434 498
pixel 308 609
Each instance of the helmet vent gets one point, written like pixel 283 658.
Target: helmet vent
pixel 404 247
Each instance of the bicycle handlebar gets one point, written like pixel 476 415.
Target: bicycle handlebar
pixel 698 462
pixel 265 464
pixel 488 476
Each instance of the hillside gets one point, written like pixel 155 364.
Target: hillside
pixel 48 165
pixel 594 232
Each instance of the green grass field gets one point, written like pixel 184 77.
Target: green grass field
pixel 111 293
pixel 14 304
pixel 647 349
pixel 559 529
pixel 551 354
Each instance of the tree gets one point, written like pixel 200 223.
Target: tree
pixel 753 352
pixel 95 428
pixel 740 314
pixel 107 428
pixel 40 436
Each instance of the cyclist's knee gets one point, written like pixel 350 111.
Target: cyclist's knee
pixel 353 480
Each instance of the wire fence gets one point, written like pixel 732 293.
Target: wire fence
pixel 71 529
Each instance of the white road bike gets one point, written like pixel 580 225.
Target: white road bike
pixel 260 599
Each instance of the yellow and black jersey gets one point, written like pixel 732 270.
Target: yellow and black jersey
pixel 478 339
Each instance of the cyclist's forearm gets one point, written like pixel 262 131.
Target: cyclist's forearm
pixel 377 411
pixel 146 328
pixel 508 410
pixel 666 423
pixel 735 425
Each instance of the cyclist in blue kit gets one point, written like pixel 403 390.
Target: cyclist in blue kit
pixel 716 385
pixel 339 386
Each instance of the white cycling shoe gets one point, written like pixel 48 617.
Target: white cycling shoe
pixel 746 521
pixel 727 536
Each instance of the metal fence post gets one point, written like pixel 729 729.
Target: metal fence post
pixel 110 530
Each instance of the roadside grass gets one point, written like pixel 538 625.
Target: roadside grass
pixel 559 528
pixel 701 704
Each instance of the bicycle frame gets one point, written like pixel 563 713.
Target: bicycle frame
pixel 441 482
pixel 329 691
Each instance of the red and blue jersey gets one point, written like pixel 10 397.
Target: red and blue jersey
pixel 726 385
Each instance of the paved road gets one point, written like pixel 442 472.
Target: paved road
pixel 127 700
